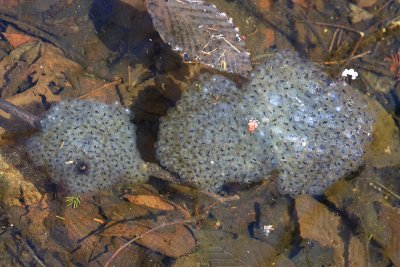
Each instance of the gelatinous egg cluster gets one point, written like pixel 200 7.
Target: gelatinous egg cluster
pixel 289 118
pixel 319 128
pixel 206 140
pixel 87 146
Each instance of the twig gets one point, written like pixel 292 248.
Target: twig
pixel 386 188
pixel 382 7
pixel 219 198
pixel 353 52
pixel 333 40
pixel 344 60
pixel 34 255
pixel 20 113
pixel 362 35
pixel 101 88
pixel 156 171
pixel 129 77
pixel 185 221
pixel 145 233
pixel 356 46
pixel 339 38
pixel 335 26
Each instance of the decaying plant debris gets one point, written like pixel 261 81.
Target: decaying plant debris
pixel 79 49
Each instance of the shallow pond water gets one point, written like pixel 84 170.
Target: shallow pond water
pixel 110 51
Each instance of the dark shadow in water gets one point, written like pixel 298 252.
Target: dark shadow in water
pixel 129 33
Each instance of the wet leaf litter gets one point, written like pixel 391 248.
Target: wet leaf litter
pixel 251 213
pixel 201 33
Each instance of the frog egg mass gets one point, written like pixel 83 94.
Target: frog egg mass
pixel 87 146
pixel 205 137
pixel 319 129
pixel 289 117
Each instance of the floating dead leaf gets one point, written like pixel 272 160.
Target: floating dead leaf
pixel 201 33
pixel 149 201
pixel 173 241
pixel 319 224
pixel 391 216
pixel 17 39
pixel 217 248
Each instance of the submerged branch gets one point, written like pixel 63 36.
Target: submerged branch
pixel 156 171
pixel 20 113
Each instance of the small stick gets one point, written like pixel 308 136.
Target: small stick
pixel 118 81
pixel 20 113
pixel 219 198
pixel 156 171
pixel 353 52
pixel 345 60
pixel 362 34
pixel 382 7
pixel 34 255
pixel 333 40
pixel 387 189
pixel 339 38
pixel 185 221
pixel 129 78
pixel 140 236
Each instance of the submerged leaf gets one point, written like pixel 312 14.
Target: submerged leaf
pixel 201 33
pixel 319 224
pixel 173 241
pixel 384 151
pixel 359 14
pixel 154 202
pixel 357 253
pixel 391 216
pixel 17 39
pixel 217 248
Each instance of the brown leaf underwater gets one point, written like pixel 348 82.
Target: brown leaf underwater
pixel 201 33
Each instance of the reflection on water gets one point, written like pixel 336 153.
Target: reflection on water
pixel 109 51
